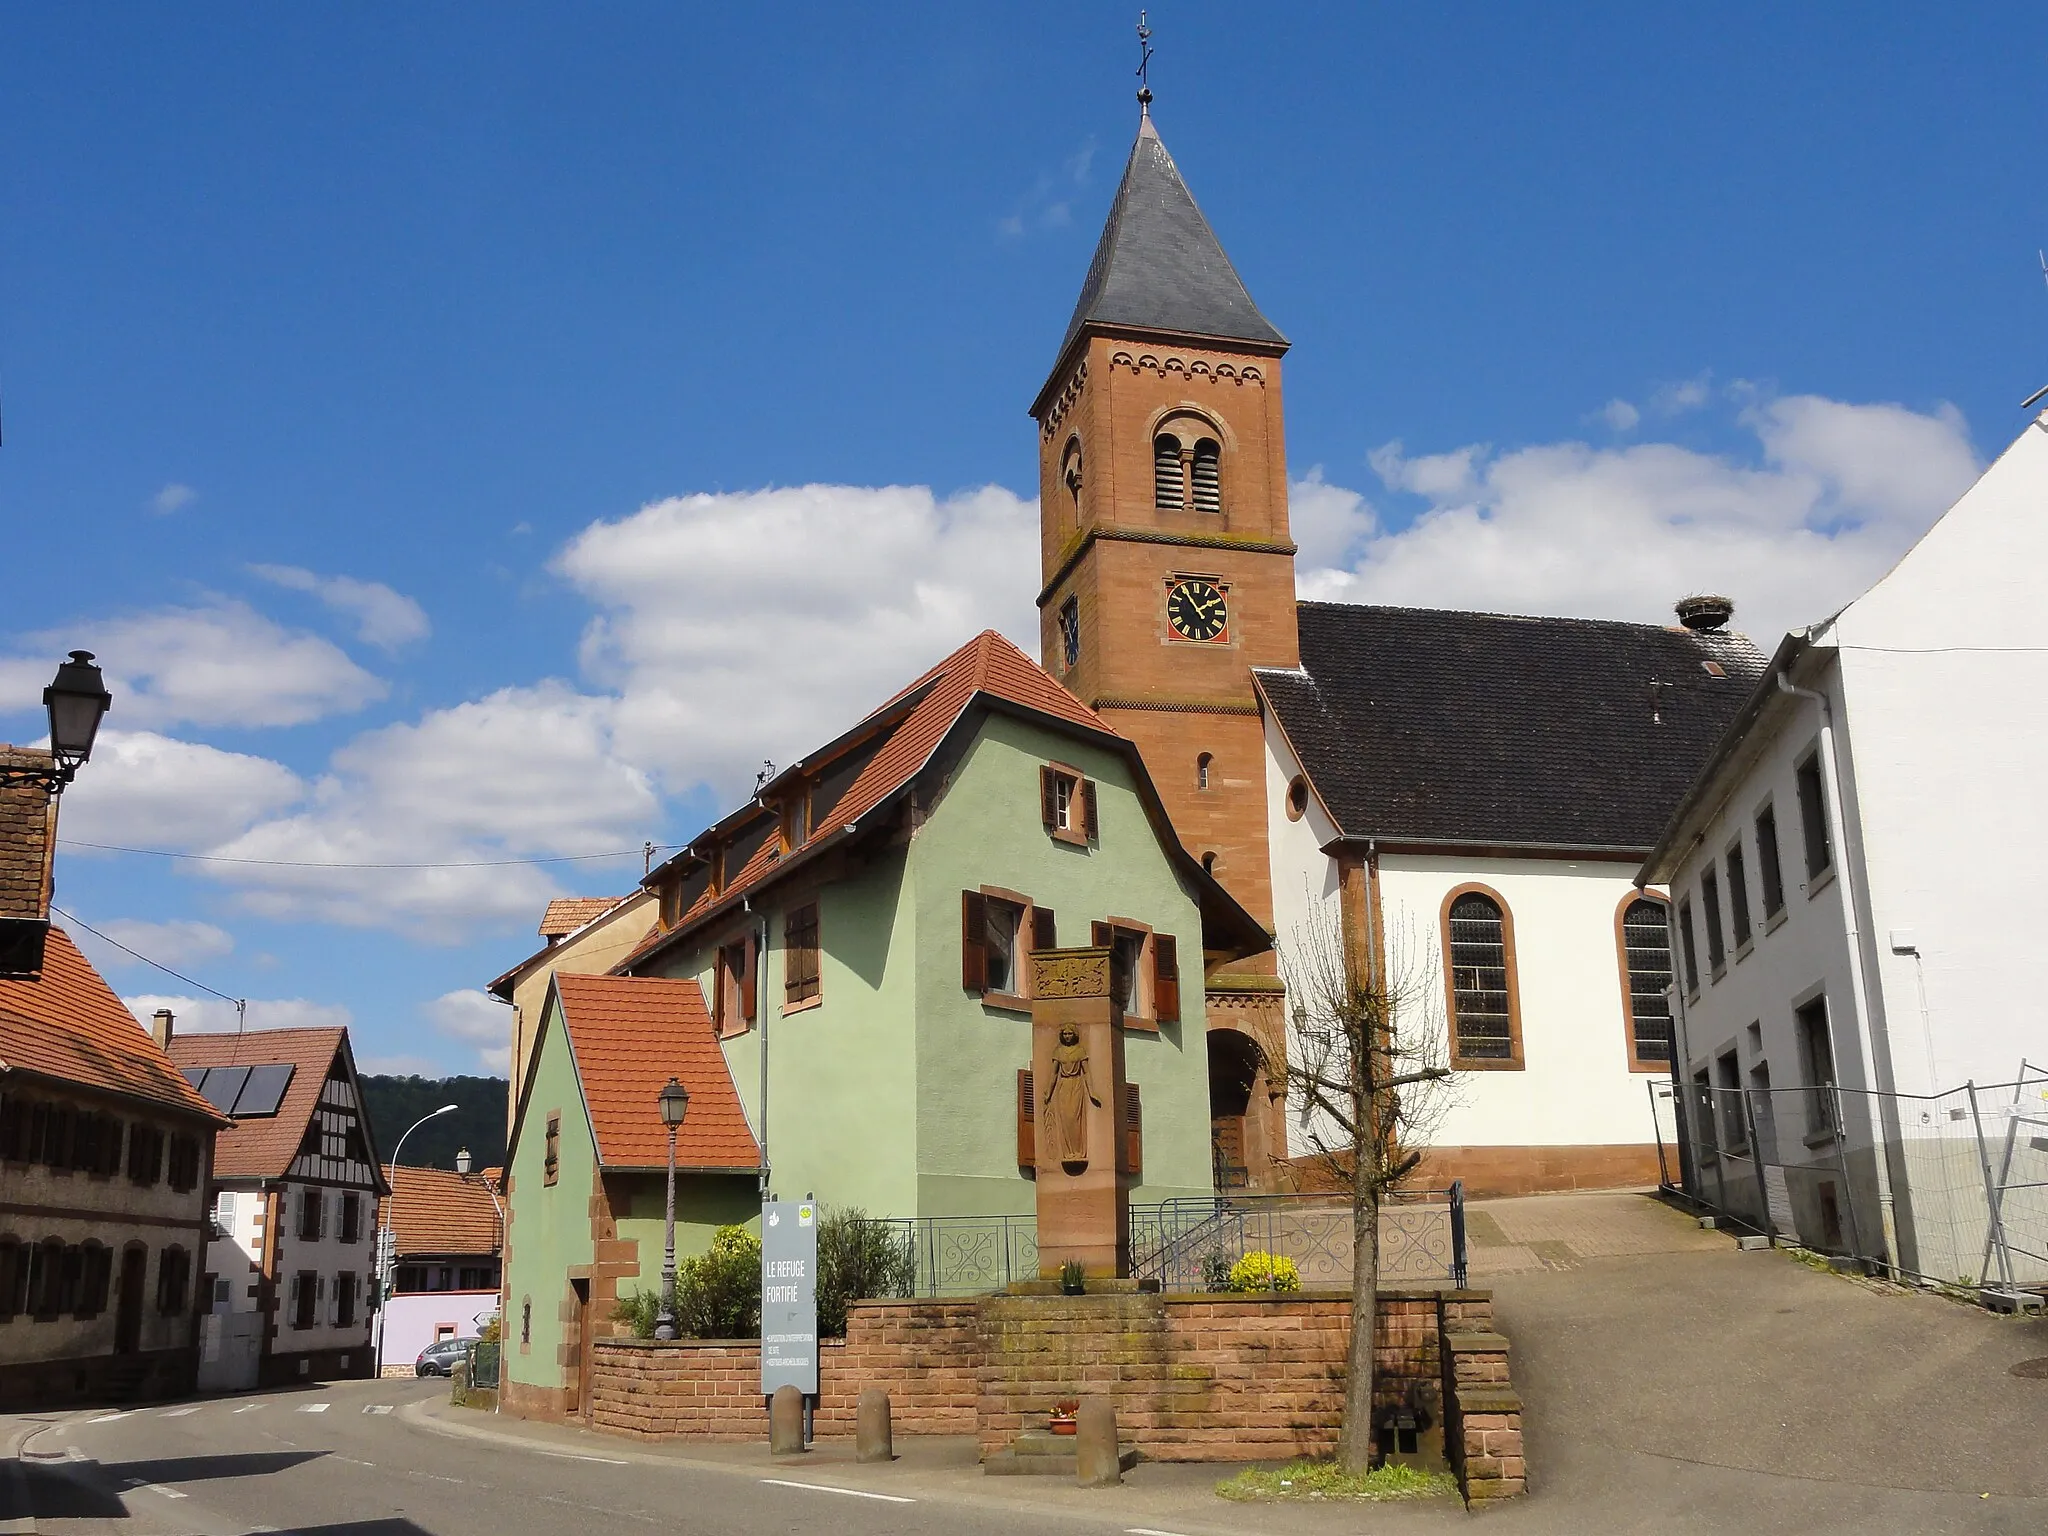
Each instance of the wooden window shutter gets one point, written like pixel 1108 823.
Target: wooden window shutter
pixel 1165 978
pixel 1089 828
pixel 748 953
pixel 1049 798
pixel 1132 1148
pixel 1027 1134
pixel 1044 931
pixel 973 941
pixel 1100 934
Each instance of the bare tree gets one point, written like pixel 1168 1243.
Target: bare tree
pixel 1367 1070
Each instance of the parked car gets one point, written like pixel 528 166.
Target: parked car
pixel 439 1357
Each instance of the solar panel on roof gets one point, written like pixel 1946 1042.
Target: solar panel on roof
pixel 221 1085
pixel 264 1091
pixel 195 1075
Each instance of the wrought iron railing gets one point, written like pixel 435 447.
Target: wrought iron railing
pixel 969 1255
pixel 1191 1243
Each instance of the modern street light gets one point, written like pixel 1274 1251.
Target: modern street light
pixel 383 1265
pixel 675 1103
pixel 77 698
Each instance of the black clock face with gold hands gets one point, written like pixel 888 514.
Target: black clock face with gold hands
pixel 1195 610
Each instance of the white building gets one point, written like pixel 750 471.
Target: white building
pixel 290 1268
pixel 1855 878
pixel 1477 791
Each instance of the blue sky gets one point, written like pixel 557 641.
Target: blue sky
pixel 487 434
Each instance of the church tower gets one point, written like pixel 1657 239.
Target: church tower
pixel 1168 574
pixel 1168 570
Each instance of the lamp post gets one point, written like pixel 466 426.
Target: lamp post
pixel 383 1264
pixel 77 698
pixel 675 1103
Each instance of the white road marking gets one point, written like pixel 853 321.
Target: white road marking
pixel 314 1408
pixel 852 1493
pixel 376 1407
pixel 105 1418
pixel 1146 1530
pixel 262 1530
pixel 607 1461
pixel 248 1408
pixel 179 1413
pixel 169 1493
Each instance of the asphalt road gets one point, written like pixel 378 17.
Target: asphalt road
pixel 355 1459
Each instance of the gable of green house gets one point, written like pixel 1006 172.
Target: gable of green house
pixel 548 1225
pixel 986 830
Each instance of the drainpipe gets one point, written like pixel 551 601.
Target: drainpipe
pixel 1838 830
pixel 761 1024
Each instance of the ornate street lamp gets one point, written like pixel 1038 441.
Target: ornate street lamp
pixel 77 698
pixel 675 1103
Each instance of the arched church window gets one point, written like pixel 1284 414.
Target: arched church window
pixel 1209 862
pixel 1645 935
pixel 1207 475
pixel 1202 770
pixel 1479 974
pixel 1168 480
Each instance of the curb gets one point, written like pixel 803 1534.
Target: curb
pixel 14 1485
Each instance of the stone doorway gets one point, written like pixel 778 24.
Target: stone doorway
pixel 1234 1070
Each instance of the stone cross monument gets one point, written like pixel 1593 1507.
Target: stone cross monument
pixel 1078 1108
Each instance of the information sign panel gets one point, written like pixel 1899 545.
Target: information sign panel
pixel 789 1296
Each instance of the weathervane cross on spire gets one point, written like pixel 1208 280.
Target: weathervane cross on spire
pixel 1144 63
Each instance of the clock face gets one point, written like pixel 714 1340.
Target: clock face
pixel 1195 610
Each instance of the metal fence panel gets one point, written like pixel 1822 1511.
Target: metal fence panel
pixel 1190 1244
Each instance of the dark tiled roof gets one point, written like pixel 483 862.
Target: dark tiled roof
pixel 1159 266
pixel 1429 725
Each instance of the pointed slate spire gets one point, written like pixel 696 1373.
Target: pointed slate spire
pixel 1159 266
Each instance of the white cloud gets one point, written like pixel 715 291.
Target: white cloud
pixel 384 618
pixel 180 943
pixel 223 664
pixel 1685 395
pixel 525 773
pixel 145 790
pixel 1327 521
pixel 1623 532
pixel 758 624
pixel 1619 415
pixel 475 1018
pixel 211 1016
pixel 171 498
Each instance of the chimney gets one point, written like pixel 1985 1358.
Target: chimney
pixel 1705 611
pixel 160 1031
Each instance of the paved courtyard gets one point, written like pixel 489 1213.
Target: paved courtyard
pixel 1673 1383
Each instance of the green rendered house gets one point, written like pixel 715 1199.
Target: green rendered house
pixel 860 930
pixel 839 975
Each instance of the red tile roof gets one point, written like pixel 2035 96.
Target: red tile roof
pixel 434 1211
pixel 70 1025
pixel 263 1147
pixel 566 914
pixel 630 1035
pixel 987 665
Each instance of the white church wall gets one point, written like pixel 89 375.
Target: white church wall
pixel 1575 1087
pixel 1305 891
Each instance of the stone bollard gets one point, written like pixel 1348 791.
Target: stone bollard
pixel 786 1422
pixel 872 1440
pixel 1098 1460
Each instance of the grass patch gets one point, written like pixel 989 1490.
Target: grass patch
pixel 1327 1480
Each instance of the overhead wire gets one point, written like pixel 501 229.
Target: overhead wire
pixel 221 858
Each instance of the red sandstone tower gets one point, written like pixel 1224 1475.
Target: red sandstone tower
pixel 1168 569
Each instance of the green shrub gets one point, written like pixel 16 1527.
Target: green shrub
pixel 718 1293
pixel 1260 1271
pixel 859 1256
pixel 1215 1271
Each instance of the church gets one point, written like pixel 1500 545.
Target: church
pixel 1474 791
